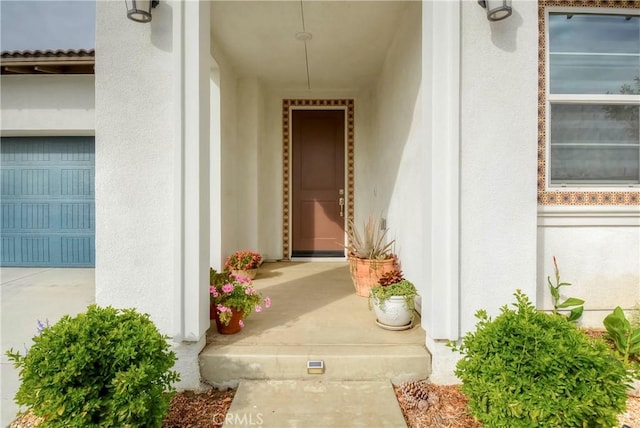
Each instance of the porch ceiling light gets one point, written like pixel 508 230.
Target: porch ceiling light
pixel 497 10
pixel 140 10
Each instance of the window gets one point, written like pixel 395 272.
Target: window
pixel 592 100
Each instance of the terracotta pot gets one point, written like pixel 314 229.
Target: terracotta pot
pixel 234 323
pixel 247 273
pixel 366 273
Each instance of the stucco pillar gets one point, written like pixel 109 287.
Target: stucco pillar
pixel 441 107
pixel 152 170
pixel 192 62
pixel 484 140
pixel 215 173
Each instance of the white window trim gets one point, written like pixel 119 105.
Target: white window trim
pixel 588 216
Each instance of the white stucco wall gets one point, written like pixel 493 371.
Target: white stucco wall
pixel 135 164
pixel 243 157
pixel 498 168
pixel 397 174
pixel 47 105
pixel 598 252
pixel 228 131
pixel 245 163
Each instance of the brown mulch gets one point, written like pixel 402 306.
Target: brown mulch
pixel 446 407
pixel 187 410
pixel 428 405
pixel 206 410
pixel 596 333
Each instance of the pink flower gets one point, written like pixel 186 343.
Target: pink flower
pixel 248 291
pixel 241 324
pixel 213 291
pixel 267 302
pixel 227 288
pixel 258 308
pixel 241 279
pixel 222 308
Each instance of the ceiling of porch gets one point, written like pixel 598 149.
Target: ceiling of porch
pixel 347 49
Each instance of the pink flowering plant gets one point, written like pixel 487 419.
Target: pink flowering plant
pixel 228 291
pixel 243 260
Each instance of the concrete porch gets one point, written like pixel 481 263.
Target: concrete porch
pixel 315 315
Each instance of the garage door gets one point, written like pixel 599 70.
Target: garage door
pixel 48 209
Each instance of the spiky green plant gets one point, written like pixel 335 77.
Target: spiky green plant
pixel 371 243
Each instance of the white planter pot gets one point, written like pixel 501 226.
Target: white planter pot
pixel 393 313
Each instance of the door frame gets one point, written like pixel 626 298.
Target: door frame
pixel 288 105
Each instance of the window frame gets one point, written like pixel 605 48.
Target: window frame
pixel 575 193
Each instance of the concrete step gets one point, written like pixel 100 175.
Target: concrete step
pixel 227 365
pixel 315 315
pixel 314 404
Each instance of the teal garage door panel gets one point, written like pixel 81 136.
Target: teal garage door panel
pixel 47 214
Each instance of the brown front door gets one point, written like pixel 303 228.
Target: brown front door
pixel 318 183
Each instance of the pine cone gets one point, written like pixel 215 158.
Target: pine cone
pixel 415 393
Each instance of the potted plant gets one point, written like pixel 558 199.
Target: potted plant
pixel 233 298
pixel 393 301
pixel 244 263
pixel 369 254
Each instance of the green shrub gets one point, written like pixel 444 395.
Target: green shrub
pixel 530 369
pixel 104 368
pixel 624 335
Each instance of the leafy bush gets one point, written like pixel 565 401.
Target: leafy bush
pixel 104 368
pixel 531 369
pixel 623 334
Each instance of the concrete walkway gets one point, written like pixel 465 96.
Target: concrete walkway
pixel 314 404
pixel 29 295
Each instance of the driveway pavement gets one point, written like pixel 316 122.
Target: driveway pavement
pixel 26 296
